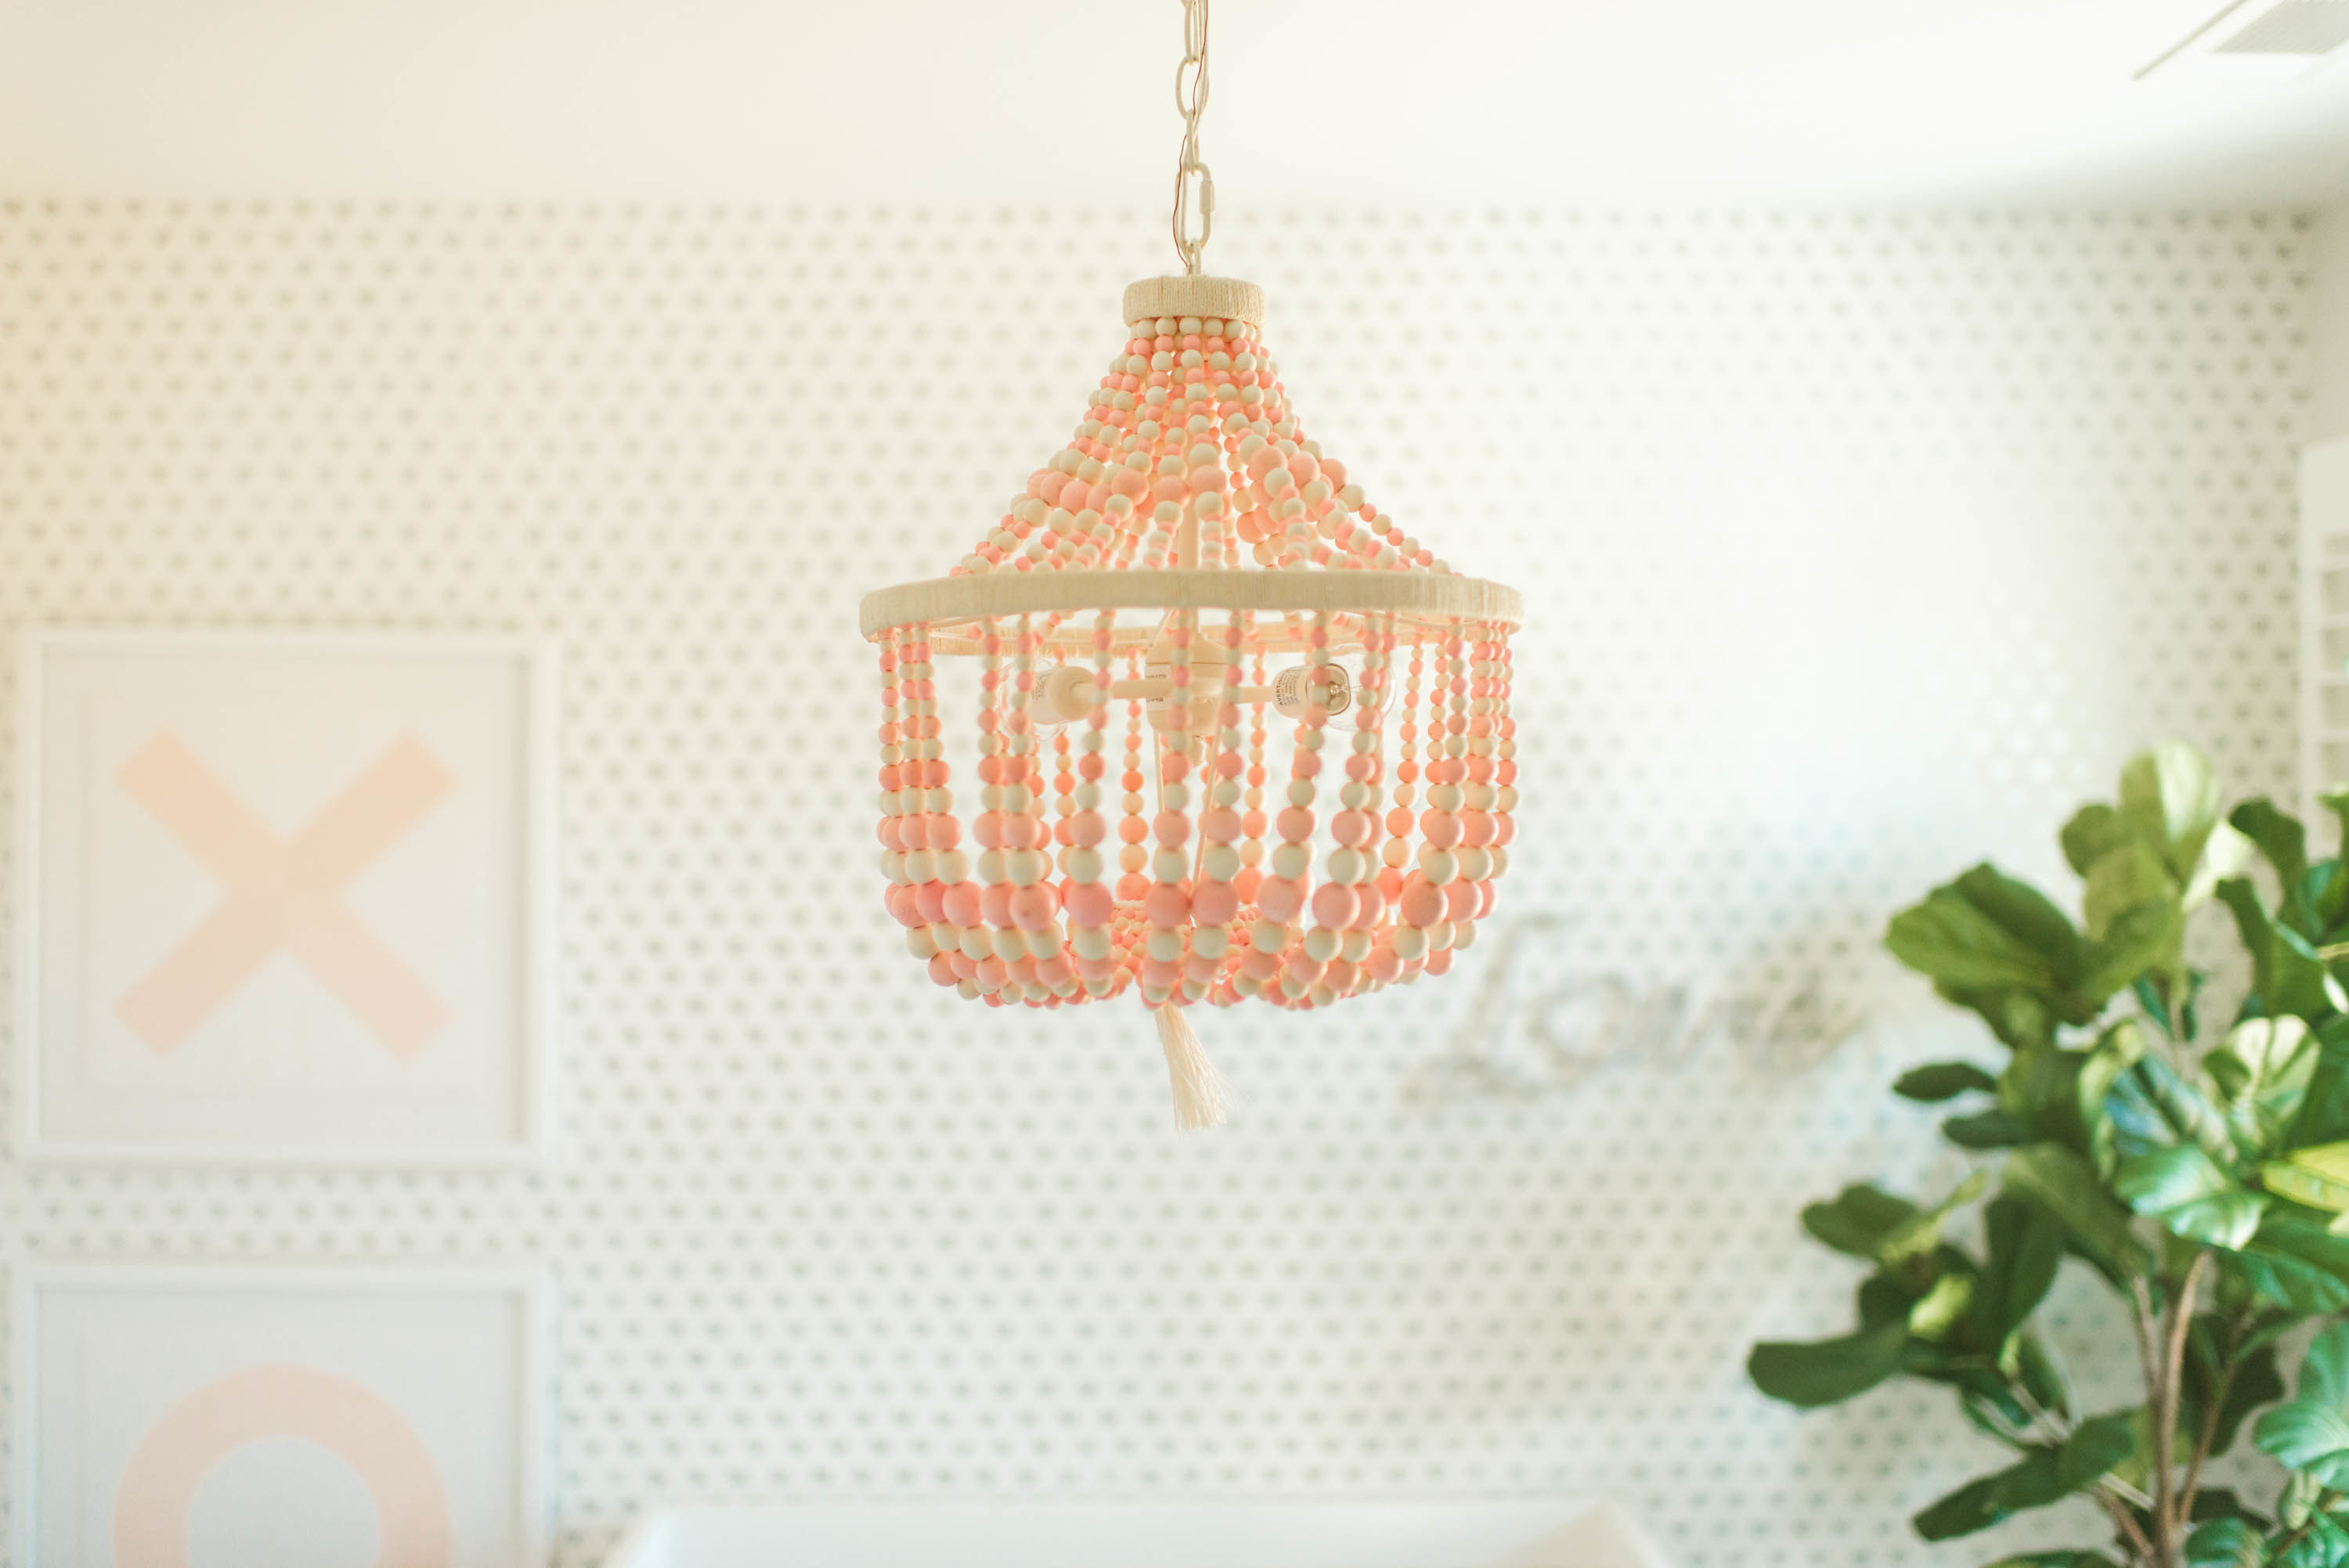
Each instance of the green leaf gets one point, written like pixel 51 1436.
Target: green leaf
pixel 2126 876
pixel 2137 939
pixel 1858 1220
pixel 2094 1447
pixel 1827 1371
pixel 2059 1092
pixel 2064 1185
pixel 1999 946
pixel 1985 1500
pixel 2060 1558
pixel 2311 1433
pixel 1941 1308
pixel 2325 1545
pixel 2313 905
pixel 2307 1437
pixel 2186 1109
pixel 2221 1502
pixel 2018 1017
pixel 1992 1129
pixel 2324 1109
pixel 2189 1196
pixel 2258 1381
pixel 2094 832
pixel 2286 974
pixel 2225 1543
pixel 2263 1072
pixel 2227 854
pixel 2337 802
pixel 2025 1244
pixel 2277 834
pixel 2006 942
pixel 1922 1235
pixel 2253 1383
pixel 2137 1123
pixel 2042 1378
pixel 2169 797
pixel 2318 1177
pixel 1886 1297
pixel 2297 1265
pixel 1937 1081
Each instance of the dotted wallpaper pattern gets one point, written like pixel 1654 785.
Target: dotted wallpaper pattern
pixel 1859 547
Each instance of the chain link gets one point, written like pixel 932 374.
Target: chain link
pixel 1191 101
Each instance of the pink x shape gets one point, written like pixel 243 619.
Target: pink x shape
pixel 283 894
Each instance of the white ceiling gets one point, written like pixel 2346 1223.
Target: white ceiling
pixel 1400 101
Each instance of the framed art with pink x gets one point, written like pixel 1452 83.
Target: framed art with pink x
pixel 285 898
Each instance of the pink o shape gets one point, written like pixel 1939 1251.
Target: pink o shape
pixel 346 1419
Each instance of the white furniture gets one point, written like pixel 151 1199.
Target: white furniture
pixel 1322 1535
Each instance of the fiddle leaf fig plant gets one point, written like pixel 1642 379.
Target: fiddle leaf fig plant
pixel 2201 1173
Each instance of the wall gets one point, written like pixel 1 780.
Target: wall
pixel 1861 547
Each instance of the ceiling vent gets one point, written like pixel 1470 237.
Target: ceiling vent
pixel 2258 37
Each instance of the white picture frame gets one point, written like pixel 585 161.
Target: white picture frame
pixel 417 771
pixel 429 1385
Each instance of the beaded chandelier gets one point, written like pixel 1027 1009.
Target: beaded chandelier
pixel 1190 604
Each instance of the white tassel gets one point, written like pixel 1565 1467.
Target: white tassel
pixel 1198 1093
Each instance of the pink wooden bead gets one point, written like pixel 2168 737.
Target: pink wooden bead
pixel 1340 976
pixel 995 904
pixel 1279 898
pixel 1374 907
pixel 1487 894
pixel 1089 903
pixel 930 898
pixel 1165 905
pixel 1422 904
pixel 1441 828
pixel 1440 963
pixel 1475 828
pixel 1171 826
pixel 941 969
pixel 1215 903
pixel 902 904
pixel 1459 900
pixel 1032 908
pixel 1295 823
pixel 1384 964
pixel 1352 829
pixel 1335 905
pixel 961 904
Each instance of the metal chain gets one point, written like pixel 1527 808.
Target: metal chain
pixel 1190 101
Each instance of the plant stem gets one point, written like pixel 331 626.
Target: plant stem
pixel 2140 1547
pixel 2170 1505
pixel 2148 1327
pixel 2223 1384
